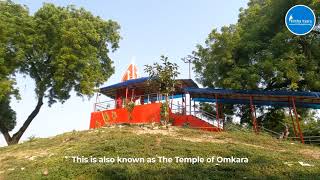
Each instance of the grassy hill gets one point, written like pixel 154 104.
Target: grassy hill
pixel 51 158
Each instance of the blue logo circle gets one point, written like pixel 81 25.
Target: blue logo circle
pixel 300 20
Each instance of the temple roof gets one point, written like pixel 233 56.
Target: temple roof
pixel 281 98
pixel 141 85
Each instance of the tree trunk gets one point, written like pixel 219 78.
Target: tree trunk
pixel 168 111
pixel 16 137
pixel 7 136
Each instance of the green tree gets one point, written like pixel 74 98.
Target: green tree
pixel 67 50
pixel 310 125
pixel 259 52
pixel 163 78
pixel 7 115
pixel 14 23
pixel 14 28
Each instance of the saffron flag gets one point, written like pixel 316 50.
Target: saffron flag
pixel 131 73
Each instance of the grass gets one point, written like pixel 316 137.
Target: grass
pixel 50 158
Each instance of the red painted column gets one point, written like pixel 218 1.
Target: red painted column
pixel 253 115
pixel 132 95
pixel 142 100
pixel 126 95
pixel 222 115
pixel 297 119
pixel 217 111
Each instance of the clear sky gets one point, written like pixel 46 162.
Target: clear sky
pixel 149 28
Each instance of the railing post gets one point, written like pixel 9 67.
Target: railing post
pixel 95 104
pixel 185 104
pixel 190 104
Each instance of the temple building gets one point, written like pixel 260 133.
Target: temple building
pixel 184 103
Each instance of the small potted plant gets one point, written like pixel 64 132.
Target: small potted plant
pixel 130 106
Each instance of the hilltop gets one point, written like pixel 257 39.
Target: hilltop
pixel 52 158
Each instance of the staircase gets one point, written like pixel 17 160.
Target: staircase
pixel 195 118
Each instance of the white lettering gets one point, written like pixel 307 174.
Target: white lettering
pixel 130 160
pixel 232 160
pixel 192 160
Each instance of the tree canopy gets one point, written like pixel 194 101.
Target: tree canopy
pixel 259 52
pixel 163 77
pixel 60 48
pixel 14 21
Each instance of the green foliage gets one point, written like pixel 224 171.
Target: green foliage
pixel 163 78
pixel 311 128
pixel 14 28
pixel 207 107
pixel 7 115
pixel 32 138
pixel 309 123
pixel 186 125
pixel 70 51
pixel 274 119
pixel 129 107
pixel 164 112
pixel 209 111
pixel 61 48
pixel 259 52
